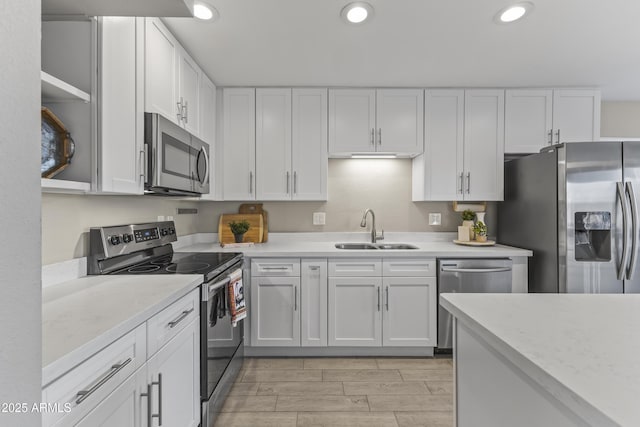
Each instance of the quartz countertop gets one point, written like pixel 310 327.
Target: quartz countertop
pixel 582 349
pixel 82 316
pixel 323 245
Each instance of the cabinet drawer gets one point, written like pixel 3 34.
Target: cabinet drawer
pixel 281 267
pixel 346 267
pixel 415 267
pixel 166 324
pixel 80 390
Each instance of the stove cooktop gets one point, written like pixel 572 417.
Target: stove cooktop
pixel 210 264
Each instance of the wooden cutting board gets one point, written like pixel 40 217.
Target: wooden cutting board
pixel 254 234
pixel 248 208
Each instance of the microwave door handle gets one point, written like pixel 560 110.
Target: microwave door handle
pixel 206 163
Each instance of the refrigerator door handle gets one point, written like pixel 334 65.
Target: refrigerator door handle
pixel 623 261
pixel 634 230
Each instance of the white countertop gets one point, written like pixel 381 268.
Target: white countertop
pixel 81 316
pixel 323 245
pixel 583 349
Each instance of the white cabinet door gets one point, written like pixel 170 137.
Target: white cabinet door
pixel 174 375
pixel 189 89
pixel 239 130
pixel 484 144
pixel 576 115
pixel 124 407
pixel 399 120
pixel 121 112
pixel 273 144
pixel 275 311
pixel 528 120
pixel 161 77
pixel 207 110
pixel 409 315
pixel 437 174
pixel 355 317
pixel 313 305
pixel 352 121
pixel 309 144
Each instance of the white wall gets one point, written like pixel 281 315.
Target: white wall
pixel 20 304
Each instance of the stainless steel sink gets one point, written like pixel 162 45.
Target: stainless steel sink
pixel 365 246
pixel 395 246
pixel 360 246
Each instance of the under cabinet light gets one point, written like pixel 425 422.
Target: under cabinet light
pixel 374 156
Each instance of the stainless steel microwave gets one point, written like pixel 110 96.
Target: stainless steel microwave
pixel 177 162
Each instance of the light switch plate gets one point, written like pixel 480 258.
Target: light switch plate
pixel 319 218
pixel 435 219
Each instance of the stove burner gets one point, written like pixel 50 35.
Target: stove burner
pixel 188 267
pixel 143 269
pixel 165 260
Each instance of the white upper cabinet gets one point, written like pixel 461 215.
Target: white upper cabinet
pixel 528 120
pixel 121 114
pixel 273 144
pixel 437 173
pixel 536 118
pixel 483 144
pixel 188 89
pixel 207 110
pixel 375 121
pixel 399 120
pixel 464 146
pixel 161 71
pixel 576 115
pixel 239 150
pixel 309 144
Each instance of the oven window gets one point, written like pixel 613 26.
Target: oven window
pixel 175 157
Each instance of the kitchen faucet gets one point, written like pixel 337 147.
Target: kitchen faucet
pixel 374 235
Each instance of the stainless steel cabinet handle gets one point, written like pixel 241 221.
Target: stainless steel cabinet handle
pixel 475 270
pixel 295 182
pixel 149 411
pixel 142 165
pixel 373 136
pixel 250 182
pixel 151 415
pixel 275 268
pixel 550 134
pixel 180 318
pixel 378 298
pixel 461 182
pixel 185 115
pixel 295 298
pixel 179 114
pixel 634 231
pixel 83 394
pixel 623 203
pixel 314 267
pixel 558 135
pixel 468 182
pixel 288 181
pixel 379 136
pixel 387 298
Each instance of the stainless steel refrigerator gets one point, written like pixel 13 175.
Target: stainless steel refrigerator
pixel 575 207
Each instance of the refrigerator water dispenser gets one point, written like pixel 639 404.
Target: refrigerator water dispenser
pixel 593 236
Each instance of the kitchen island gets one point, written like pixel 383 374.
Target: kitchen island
pixel 546 360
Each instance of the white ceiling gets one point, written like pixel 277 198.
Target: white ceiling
pixel 420 43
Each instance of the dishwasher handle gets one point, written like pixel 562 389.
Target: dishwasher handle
pixel 475 270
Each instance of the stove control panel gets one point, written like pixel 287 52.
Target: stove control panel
pixel 107 242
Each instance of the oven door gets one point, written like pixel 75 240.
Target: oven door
pixel 219 339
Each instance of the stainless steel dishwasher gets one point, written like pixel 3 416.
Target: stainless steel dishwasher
pixel 479 275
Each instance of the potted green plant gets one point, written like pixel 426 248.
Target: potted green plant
pixel 238 229
pixel 480 228
pixel 467 221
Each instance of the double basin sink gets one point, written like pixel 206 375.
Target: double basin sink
pixel 383 246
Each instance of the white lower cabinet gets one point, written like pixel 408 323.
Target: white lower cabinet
pixel 393 305
pixel 354 311
pixel 174 374
pixel 313 302
pixel 275 315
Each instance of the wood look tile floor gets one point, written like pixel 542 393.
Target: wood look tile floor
pixel 336 392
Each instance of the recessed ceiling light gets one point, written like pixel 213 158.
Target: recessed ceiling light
pixel 513 13
pixel 204 11
pixel 357 12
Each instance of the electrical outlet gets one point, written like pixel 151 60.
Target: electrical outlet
pixel 319 218
pixel 435 219
pixel 160 217
pixel 170 218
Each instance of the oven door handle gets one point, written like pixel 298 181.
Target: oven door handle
pixel 217 285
